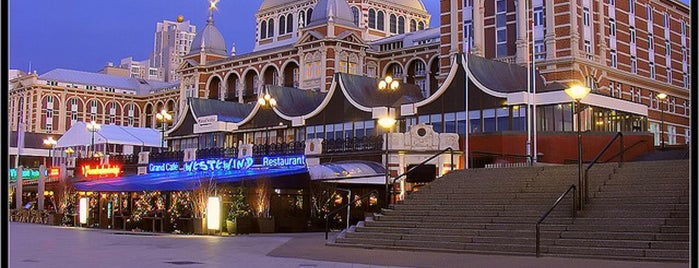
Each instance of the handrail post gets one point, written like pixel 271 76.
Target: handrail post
pixel 327 226
pixel 538 238
pixel 572 207
pixel 621 149
pixel 587 188
pixel 451 153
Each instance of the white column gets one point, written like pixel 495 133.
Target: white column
pixel 478 32
pixel 550 37
pixel 521 12
pixel 41 186
pixel 454 27
pixel 574 34
pixel 18 188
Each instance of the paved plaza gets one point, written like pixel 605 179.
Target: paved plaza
pixel 33 245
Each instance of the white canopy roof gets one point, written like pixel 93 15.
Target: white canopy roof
pixel 349 172
pixel 78 135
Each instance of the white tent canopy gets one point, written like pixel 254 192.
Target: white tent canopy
pixel 78 135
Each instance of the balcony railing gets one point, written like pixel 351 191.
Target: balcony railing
pixel 363 144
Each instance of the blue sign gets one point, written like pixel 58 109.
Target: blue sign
pixel 27 174
pixel 163 167
pixel 283 161
pixel 224 164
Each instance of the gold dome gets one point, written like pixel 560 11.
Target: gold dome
pixel 180 18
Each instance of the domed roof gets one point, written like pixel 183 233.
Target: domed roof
pixel 210 39
pixel 416 4
pixel 336 10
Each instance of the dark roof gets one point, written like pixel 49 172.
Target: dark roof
pixel 226 111
pixel 32 139
pixel 500 76
pixel 364 90
pixel 295 102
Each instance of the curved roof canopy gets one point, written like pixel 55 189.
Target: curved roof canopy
pixel 364 90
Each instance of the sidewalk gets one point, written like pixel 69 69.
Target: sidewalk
pixel 312 246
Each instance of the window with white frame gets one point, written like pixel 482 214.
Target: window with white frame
pixel 685 80
pixel 112 113
pixel 612 27
pixel 638 95
pixel 131 114
pixel 651 67
pixel 468 30
pixel 672 107
pixel 687 135
pixel 588 48
pixel 538 16
pixel 501 28
pixel 586 16
pixel 633 94
pixel 73 109
pixel 539 50
pixel 671 135
pixel 612 91
pixel 632 8
pixel 633 34
pixel 613 58
pixel 649 13
pixel 651 44
pixel 669 75
pixel 654 128
pixel 634 68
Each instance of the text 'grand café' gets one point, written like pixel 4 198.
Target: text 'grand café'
pixel 312 102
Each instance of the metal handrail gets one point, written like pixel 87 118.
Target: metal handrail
pixel 528 158
pixel 327 218
pixel 543 217
pixel 451 152
pixel 625 150
pixel 594 161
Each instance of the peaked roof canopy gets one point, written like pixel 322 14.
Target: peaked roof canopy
pixel 78 135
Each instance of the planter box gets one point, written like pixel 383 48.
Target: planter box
pixel 199 226
pixel 265 225
pixel 55 218
pixel 240 225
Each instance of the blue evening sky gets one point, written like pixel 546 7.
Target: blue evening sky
pixel 86 34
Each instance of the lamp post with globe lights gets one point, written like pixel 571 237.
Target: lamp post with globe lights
pixel 661 97
pixel 577 93
pixel 50 142
pixel 93 127
pixel 388 121
pixel 163 117
pixel 267 100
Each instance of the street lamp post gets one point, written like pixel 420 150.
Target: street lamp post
pixel 387 122
pixel 50 142
pixel 661 98
pixel 267 100
pixel 93 127
pixel 164 117
pixel 578 93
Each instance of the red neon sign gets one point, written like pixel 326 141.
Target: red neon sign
pixel 54 172
pixel 101 171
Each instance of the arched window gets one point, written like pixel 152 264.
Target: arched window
pixel 372 19
pixel 263 30
pixel 310 14
pixel 355 16
pixel 380 21
pixel 401 25
pixel 392 23
pixel 413 25
pixel 421 26
pixel 270 28
pixel 282 25
pixel 302 19
pixel 289 23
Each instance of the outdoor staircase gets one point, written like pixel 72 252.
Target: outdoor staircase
pixel 639 211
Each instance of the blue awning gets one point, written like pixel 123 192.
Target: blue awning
pixel 180 181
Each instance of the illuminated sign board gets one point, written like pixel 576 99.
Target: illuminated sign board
pixel 54 173
pixel 223 164
pixel 101 171
pixel 283 161
pixel 163 167
pixel 27 174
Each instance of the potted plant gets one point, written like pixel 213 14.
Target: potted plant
pixel 265 222
pixel 238 216
pixel 60 202
pixel 200 196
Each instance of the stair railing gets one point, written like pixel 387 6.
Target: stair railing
pixel 618 135
pixel 448 149
pixel 625 150
pixel 543 217
pixel 349 203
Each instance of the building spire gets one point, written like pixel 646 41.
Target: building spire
pixel 212 6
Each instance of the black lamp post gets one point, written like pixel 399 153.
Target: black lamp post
pixel 578 93
pixel 266 100
pixel 93 127
pixel 661 98
pixel 164 117
pixel 387 122
pixel 50 142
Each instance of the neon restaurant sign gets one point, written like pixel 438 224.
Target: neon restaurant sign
pixel 163 167
pixel 27 174
pixel 101 171
pixel 220 164
pixel 283 161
